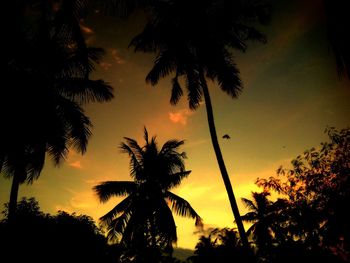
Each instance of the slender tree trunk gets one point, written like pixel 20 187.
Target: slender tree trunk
pixel 221 163
pixel 14 195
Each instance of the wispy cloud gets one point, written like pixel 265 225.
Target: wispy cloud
pixel 74 160
pixel 116 57
pixel 75 164
pixel 85 29
pixel 83 200
pixel 192 143
pixel 180 116
pixel 193 191
pixel 105 65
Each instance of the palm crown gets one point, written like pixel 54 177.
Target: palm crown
pixel 193 45
pixel 144 216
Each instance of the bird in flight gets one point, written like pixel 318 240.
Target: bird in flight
pixel 226 136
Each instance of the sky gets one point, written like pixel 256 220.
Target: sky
pixel 291 94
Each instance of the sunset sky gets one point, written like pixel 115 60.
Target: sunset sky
pixel 291 94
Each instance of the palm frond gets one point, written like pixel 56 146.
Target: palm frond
pixel 163 66
pixel 221 68
pixel 123 207
pixel 148 40
pixel 176 91
pixel 35 162
pixel 117 226
pixel 84 90
pixel 108 189
pixel 194 89
pixel 165 223
pixel 249 204
pixel 249 217
pixel 145 134
pixel 77 123
pixel 171 146
pixel 181 207
pixel 135 157
pixel 176 178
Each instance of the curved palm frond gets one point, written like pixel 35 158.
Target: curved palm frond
pixel 163 66
pixel 165 223
pixel 122 207
pixel 183 208
pixel 176 91
pixel 249 204
pixel 85 90
pixel 35 162
pixel 250 217
pixel 222 68
pixel 176 178
pixel 135 157
pixel 171 146
pixel 145 135
pixel 194 89
pixel 117 226
pixel 148 40
pixel 77 123
pixel 108 189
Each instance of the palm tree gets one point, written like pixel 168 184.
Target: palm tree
pixel 195 41
pixel 262 216
pixel 47 78
pixel 338 23
pixel 144 219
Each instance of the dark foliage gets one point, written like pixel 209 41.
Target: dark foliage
pixel 37 237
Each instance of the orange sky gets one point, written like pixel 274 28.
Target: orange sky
pixel 292 92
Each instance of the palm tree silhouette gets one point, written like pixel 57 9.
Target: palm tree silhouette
pixel 144 218
pixel 195 41
pixel 262 216
pixel 47 78
pixel 338 26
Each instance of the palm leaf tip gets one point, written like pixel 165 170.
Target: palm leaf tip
pixel 98 190
pixel 176 91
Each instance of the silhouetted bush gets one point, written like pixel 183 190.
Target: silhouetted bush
pixel 37 237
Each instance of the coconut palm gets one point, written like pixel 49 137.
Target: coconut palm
pixel 47 78
pixel 338 23
pixel 144 219
pixel 262 216
pixel 194 42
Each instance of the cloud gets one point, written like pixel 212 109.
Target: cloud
pixel 180 116
pixel 193 191
pixel 116 57
pixel 75 164
pixel 85 29
pixel 83 200
pixel 105 65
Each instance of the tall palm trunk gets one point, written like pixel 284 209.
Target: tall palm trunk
pixel 14 195
pixel 221 163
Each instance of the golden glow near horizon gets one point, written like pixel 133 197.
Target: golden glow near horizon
pixel 292 92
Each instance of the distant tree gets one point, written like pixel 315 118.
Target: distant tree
pixel 262 217
pixel 220 245
pixel 316 190
pixel 47 78
pixel 34 236
pixel 143 220
pixel 194 42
